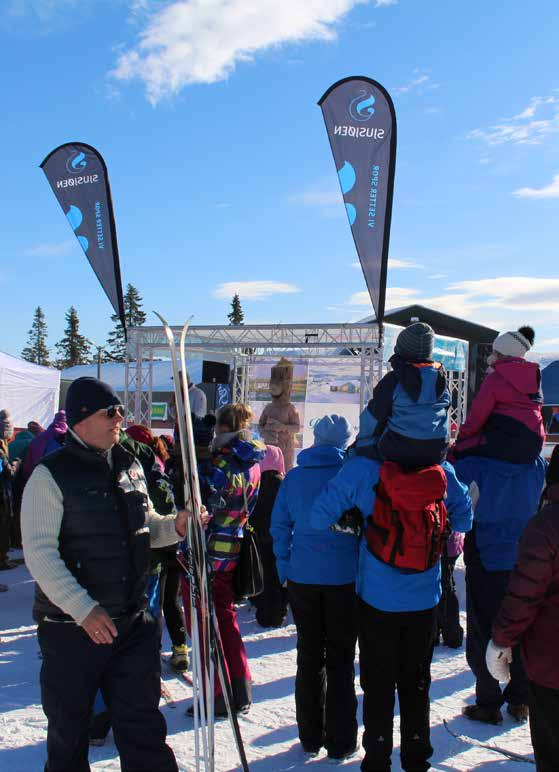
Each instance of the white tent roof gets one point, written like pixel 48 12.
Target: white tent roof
pixel 29 392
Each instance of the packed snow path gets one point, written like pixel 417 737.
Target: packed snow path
pixel 269 730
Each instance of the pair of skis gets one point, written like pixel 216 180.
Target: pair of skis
pixel 207 649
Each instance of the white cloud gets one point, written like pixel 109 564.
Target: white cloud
pixel 548 191
pixel 437 276
pixel 202 41
pixel 549 342
pixel 392 263
pixel 419 81
pixel 380 3
pixel 317 197
pixel 531 126
pixel 481 300
pixel 395 297
pixel 253 290
pixel 513 292
pixel 51 250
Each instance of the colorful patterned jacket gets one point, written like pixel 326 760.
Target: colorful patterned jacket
pixel 232 466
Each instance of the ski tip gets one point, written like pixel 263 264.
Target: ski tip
pixel 161 319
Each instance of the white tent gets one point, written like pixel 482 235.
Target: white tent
pixel 29 392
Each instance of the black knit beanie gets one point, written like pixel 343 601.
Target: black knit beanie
pixel 85 397
pixel 416 343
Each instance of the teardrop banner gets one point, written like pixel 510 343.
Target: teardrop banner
pixel 361 124
pixel 78 177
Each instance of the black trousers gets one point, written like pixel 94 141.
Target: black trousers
pixel 325 701
pixel 544 726
pixel 171 605
pixel 485 591
pixel 448 610
pixel 128 674
pixel 271 604
pixel 396 649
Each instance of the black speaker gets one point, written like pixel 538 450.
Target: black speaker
pixel 215 372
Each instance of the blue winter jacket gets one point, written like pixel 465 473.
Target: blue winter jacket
pixel 302 554
pixel 378 584
pixel 508 498
pixel 408 413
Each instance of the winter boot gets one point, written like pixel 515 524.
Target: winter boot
pixel 339 758
pixel 220 709
pixel 519 712
pixel 485 715
pixel 179 658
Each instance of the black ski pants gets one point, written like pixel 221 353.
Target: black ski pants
pixel 325 701
pixel 128 672
pixel 485 591
pixel 448 610
pixel 171 605
pixel 395 652
pixel 544 726
pixel 271 604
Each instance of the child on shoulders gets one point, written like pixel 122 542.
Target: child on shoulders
pixel 505 420
pixel 406 421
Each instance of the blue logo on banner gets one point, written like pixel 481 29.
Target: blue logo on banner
pixel 76 163
pixel 361 108
pixel 75 218
pixel 347 179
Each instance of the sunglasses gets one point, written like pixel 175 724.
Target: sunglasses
pixel 111 411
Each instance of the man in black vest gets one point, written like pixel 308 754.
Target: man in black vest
pixel 88 525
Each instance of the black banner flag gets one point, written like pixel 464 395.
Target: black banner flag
pixel 361 125
pixel 78 177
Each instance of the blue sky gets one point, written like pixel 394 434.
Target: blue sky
pixel 221 173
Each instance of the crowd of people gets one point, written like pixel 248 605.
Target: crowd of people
pixel 360 539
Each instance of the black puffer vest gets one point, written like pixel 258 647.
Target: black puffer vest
pixel 104 537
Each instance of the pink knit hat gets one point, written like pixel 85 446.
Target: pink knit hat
pixel 273 459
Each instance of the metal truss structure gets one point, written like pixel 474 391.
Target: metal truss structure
pixel 458 387
pixel 247 343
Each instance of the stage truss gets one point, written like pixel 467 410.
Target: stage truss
pixel 245 344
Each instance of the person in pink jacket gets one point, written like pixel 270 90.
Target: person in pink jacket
pixel 505 419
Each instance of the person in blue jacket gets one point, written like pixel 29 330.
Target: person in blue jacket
pixel 507 497
pixel 320 572
pixel 397 620
pixel 406 421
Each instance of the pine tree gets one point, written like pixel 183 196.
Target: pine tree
pixel 236 315
pixel 36 350
pixel 134 316
pixel 73 349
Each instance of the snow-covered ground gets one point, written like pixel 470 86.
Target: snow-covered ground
pixel 269 730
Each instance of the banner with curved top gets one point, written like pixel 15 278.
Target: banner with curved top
pixel 361 124
pixel 78 177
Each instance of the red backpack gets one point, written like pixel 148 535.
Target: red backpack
pixel 408 527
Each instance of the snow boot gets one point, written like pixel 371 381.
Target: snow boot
pixel 340 759
pixel 220 709
pixel 485 715
pixel 519 712
pixel 179 658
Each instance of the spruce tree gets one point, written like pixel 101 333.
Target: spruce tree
pixel 73 349
pixel 236 315
pixel 37 350
pixel 134 316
